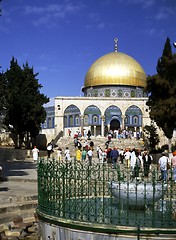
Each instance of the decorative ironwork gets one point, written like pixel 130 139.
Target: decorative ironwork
pixel 79 192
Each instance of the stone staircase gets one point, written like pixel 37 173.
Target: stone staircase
pixel 25 206
pixel 64 142
pixel 18 199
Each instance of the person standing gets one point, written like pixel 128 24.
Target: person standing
pixel 147 160
pixel 84 153
pixel 100 151
pixel 67 154
pixel 49 149
pixel 98 147
pixel 127 156
pixel 35 153
pixel 104 155
pixel 59 154
pixel 121 155
pixel 133 159
pixel 90 155
pixel 114 156
pixel 173 164
pixel 79 145
pixel 78 154
pixel 107 144
pixel 162 165
pixel 75 142
pixel 91 144
pixel 109 160
pixel 89 135
pixel 69 132
pixel 137 165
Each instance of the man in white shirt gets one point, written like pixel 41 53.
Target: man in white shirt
pixel 35 153
pixel 90 154
pixel 127 156
pixel 162 164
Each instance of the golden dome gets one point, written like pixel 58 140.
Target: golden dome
pixel 115 68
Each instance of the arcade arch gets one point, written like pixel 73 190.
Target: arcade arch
pixel 72 117
pixel 92 120
pixel 100 124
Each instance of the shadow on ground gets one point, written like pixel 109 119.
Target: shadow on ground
pixel 16 168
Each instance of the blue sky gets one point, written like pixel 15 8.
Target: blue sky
pixel 62 38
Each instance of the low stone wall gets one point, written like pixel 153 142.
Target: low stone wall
pixel 10 153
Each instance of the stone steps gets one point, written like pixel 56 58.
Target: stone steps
pixel 64 142
pixel 9 210
pixel 17 199
pixel 25 214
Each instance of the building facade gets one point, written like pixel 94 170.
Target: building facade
pixel 114 99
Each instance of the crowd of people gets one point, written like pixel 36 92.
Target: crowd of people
pixel 116 133
pixel 133 159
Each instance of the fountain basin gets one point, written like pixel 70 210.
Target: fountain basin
pixel 137 194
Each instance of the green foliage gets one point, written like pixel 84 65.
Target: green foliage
pixel 1 93
pixel 151 135
pixel 162 92
pixel 23 101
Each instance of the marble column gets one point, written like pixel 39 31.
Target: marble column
pixel 82 124
pixel 123 122
pixel 102 125
pixel 95 131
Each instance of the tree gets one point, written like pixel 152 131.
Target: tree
pixel 23 102
pixel 162 92
pixel 152 136
pixel 2 108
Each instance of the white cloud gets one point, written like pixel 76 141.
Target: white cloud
pixel 152 32
pixel 164 13
pixel 145 3
pixel 52 12
pixel 101 25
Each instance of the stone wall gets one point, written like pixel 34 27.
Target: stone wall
pixel 9 153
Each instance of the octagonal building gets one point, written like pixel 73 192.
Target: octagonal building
pixel 114 99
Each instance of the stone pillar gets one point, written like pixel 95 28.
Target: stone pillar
pixel 95 131
pixel 102 125
pixel 82 124
pixel 123 121
pixel 108 127
pixel 141 132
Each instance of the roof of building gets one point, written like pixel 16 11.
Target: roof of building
pixel 115 68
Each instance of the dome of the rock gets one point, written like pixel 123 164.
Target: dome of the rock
pixel 114 69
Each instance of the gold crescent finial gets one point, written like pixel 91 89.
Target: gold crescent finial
pixel 116 45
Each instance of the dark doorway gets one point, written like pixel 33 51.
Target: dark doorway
pixel 115 124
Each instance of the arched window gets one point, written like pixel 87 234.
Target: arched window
pixel 95 119
pixel 77 120
pixel 127 120
pixel 70 121
pixel 65 121
pixel 134 114
pixel 50 123
pixel 112 111
pixel 91 112
pixel 72 114
pixel 86 120
pixel 135 120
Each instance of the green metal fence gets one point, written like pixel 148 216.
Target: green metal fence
pixel 81 192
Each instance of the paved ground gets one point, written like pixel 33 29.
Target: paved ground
pixel 19 178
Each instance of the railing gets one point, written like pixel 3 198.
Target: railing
pixel 81 192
